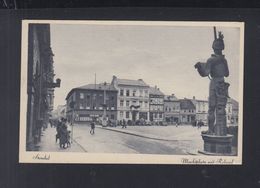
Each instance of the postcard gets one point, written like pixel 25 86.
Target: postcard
pixel 131 92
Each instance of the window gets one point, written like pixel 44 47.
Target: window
pixel 134 93
pixel 127 92
pixel 121 92
pixel 81 95
pixel 121 102
pixel 141 93
pixel 121 113
pixel 127 114
pixel 166 108
pixel 94 96
pixel 81 106
pixel 134 102
pixel 112 116
pixel 145 104
pixel 146 93
pixel 141 103
pixel 127 103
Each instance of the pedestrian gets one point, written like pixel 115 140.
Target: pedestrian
pixel 124 123
pixel 58 129
pixel 195 123
pixel 63 134
pixel 200 124
pixel 51 122
pixel 92 125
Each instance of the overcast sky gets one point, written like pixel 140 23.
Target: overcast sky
pixel 160 55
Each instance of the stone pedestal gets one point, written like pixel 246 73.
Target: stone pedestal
pixel 217 145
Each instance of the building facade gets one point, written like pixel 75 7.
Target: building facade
pixel 232 112
pixel 92 101
pixel 171 109
pixel 156 104
pixel 201 110
pixel 132 99
pixel 40 88
pixel 187 111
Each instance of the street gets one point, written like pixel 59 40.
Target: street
pixel 180 140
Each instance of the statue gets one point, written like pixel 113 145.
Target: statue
pixel 216 69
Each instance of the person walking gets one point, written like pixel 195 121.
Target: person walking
pixel 92 125
pixel 63 134
pixel 200 124
pixel 124 123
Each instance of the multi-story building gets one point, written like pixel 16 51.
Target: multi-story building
pixel 232 112
pixel 171 109
pixel 132 99
pixel 187 111
pixel 92 101
pixel 229 111
pixel 201 110
pixel 156 104
pixel 40 88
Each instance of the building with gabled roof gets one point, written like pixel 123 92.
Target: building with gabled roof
pixel 172 109
pixel 156 105
pixel 187 111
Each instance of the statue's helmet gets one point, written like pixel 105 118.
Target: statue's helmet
pixel 218 43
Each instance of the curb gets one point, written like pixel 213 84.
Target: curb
pixel 142 136
pixel 74 141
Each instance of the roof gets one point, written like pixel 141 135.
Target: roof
pixel 155 91
pixel 100 86
pixel 186 104
pixel 128 82
pixel 170 98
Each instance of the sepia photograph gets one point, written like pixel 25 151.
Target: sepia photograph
pixel 131 92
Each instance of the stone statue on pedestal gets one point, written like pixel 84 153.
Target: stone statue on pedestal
pixel 216 139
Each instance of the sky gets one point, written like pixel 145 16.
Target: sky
pixel 160 55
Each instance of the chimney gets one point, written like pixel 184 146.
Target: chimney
pixel 155 86
pixel 193 98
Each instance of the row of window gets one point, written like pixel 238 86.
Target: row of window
pixel 156 101
pixel 134 93
pixel 88 107
pixel 141 103
pixel 127 114
pixel 157 115
pixel 95 96
pixel 156 108
pixel 171 109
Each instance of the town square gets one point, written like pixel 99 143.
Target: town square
pixel 133 89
